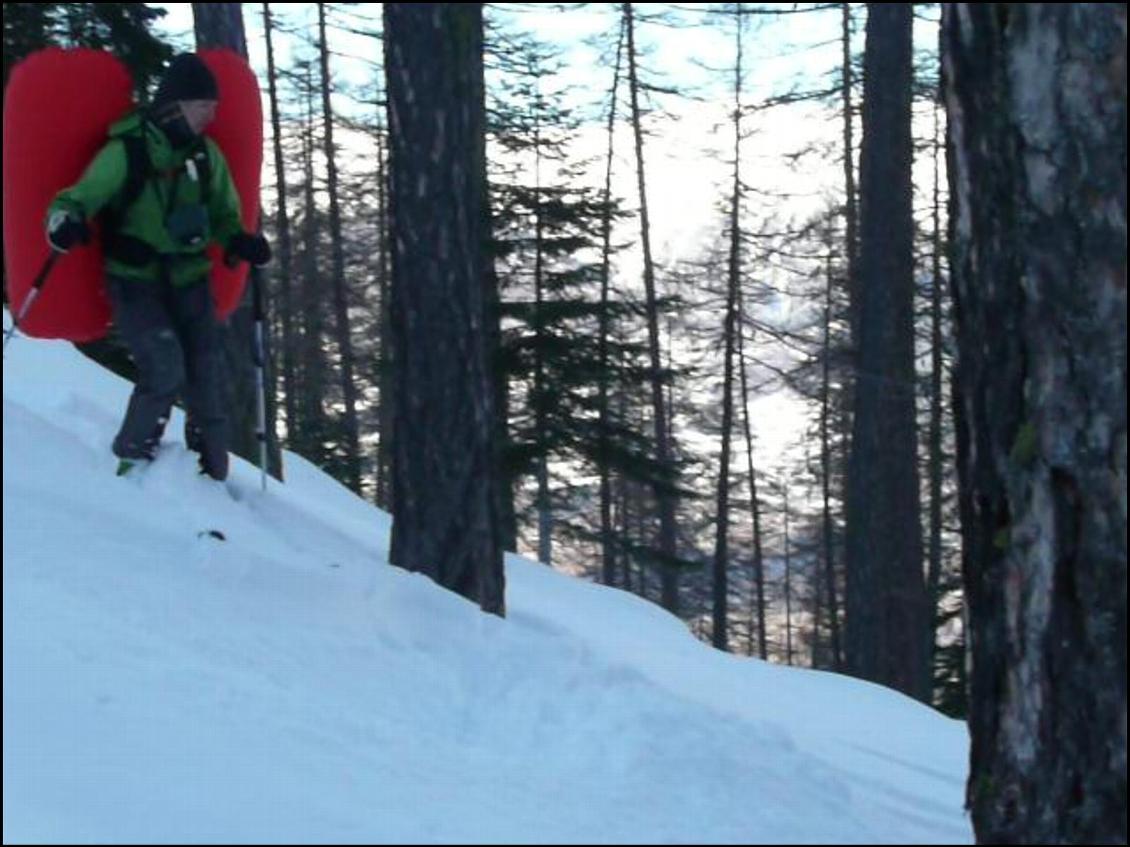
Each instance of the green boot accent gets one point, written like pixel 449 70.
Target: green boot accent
pixel 126 465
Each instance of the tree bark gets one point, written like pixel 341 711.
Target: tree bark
pixel 311 435
pixel 665 498
pixel 729 330
pixel 387 399
pixel 444 514
pixel 1036 101
pixel 934 435
pixel 607 552
pixel 282 225
pixel 826 476
pixel 851 218
pixel 887 613
pixel 754 501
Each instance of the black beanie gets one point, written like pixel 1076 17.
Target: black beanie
pixel 187 78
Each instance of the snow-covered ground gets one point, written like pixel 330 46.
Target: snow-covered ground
pixel 287 685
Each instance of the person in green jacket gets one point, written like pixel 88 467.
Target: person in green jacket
pixel 164 192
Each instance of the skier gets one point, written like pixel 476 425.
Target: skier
pixel 163 193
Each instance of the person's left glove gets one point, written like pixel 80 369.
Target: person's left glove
pixel 64 231
pixel 249 247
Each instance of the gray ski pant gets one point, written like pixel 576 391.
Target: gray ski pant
pixel 174 338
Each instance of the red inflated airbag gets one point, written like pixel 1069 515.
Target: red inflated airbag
pixel 58 107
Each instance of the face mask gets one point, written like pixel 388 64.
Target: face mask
pixel 171 120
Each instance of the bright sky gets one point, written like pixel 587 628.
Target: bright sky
pixel 285 684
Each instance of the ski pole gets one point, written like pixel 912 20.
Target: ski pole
pixel 36 286
pixel 260 389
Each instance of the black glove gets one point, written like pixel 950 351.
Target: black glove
pixel 64 231
pixel 251 248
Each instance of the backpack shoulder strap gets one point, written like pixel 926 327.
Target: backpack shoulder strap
pixel 123 248
pixel 137 170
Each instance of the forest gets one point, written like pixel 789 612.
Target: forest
pixel 816 339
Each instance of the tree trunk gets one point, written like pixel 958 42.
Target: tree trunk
pixel 665 498
pixel 282 218
pixel 540 389
pixel 755 503
pixel 826 476
pixel 729 330
pixel 341 300
pixel 851 252
pixel 934 436
pixel 221 25
pixel 387 398
pixel 788 583
pixel 1036 99
pixel 444 518
pixel 887 613
pixel 607 552
pixel 311 435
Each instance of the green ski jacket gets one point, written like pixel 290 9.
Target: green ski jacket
pixel 171 187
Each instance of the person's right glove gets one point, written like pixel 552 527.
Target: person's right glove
pixel 64 231
pixel 249 247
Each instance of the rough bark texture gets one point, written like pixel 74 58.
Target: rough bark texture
pixel 444 521
pixel 1036 98
pixel 887 611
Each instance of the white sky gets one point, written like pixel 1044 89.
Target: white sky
pixel 287 685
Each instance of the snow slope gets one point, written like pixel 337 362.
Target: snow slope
pixel 288 685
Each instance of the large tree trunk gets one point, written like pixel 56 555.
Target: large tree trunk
pixel 887 611
pixel 1036 97
pixel 660 405
pixel 444 506
pixel 352 447
pixel 221 25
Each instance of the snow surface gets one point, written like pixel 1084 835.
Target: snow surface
pixel 288 685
